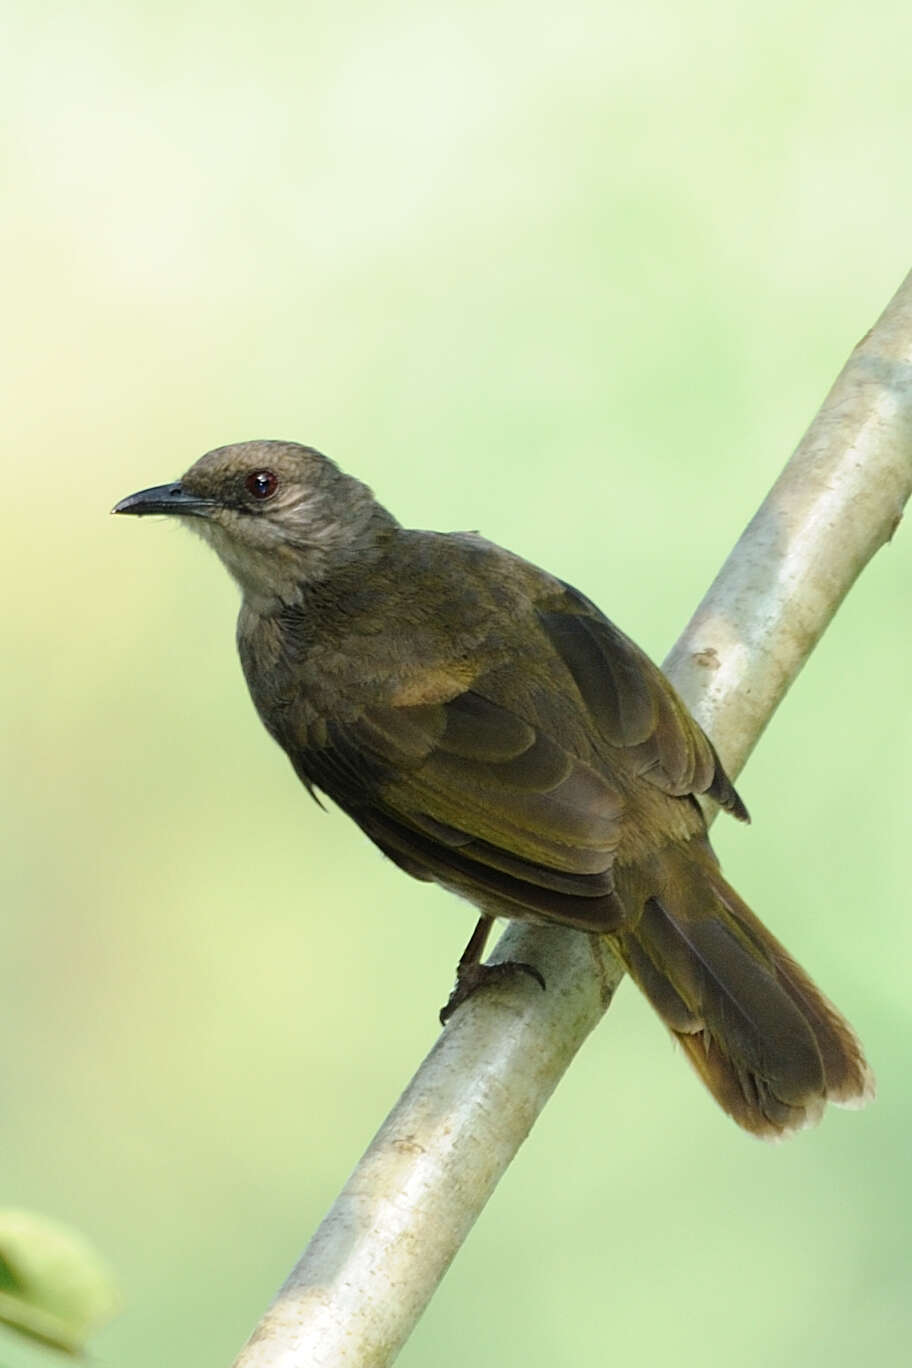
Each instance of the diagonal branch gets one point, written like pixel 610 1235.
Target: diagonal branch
pixel 376 1260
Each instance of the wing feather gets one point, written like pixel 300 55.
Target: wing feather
pixel 501 795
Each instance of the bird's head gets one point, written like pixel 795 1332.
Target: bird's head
pixel 280 515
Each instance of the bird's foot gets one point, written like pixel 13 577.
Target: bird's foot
pixel 470 977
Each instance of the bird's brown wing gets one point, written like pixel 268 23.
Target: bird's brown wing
pixel 466 792
pixel 517 788
pixel 633 707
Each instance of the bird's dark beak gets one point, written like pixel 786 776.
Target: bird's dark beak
pixel 166 498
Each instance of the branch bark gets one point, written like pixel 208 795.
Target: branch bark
pixel 376 1260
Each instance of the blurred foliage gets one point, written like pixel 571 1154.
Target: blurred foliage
pixel 579 278
pixel 53 1288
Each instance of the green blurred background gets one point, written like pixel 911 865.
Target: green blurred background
pixel 579 280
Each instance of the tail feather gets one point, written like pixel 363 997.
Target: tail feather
pixel 766 1042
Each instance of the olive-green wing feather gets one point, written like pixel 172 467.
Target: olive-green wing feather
pixel 466 792
pixel 519 786
pixel 633 706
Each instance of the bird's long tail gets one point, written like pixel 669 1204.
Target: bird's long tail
pixel 769 1046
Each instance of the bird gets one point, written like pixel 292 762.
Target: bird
pixel 491 731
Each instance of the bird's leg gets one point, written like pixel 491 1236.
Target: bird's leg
pixel 471 973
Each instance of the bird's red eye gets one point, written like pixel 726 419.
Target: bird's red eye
pixel 262 484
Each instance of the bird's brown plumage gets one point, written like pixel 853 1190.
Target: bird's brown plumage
pixel 490 729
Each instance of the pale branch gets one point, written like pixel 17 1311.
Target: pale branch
pixel 376 1260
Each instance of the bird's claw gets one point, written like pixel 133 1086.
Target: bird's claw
pixel 470 977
